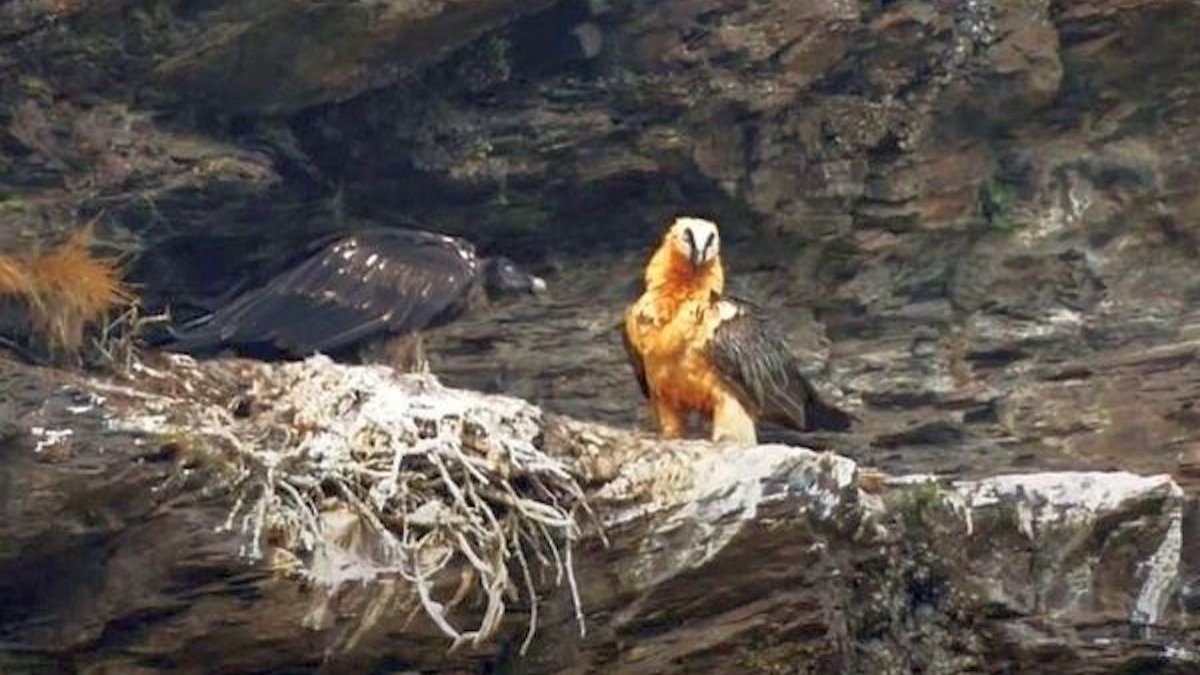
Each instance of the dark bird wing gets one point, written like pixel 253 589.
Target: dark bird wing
pixel 635 361
pixel 751 355
pixel 351 288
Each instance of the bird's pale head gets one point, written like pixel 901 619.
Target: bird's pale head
pixel 695 239
pixel 502 277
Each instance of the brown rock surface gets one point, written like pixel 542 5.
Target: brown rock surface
pixel 978 220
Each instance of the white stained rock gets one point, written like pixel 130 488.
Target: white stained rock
pixel 701 496
pixel 1065 513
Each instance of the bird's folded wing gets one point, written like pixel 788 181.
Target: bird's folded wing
pixel 635 360
pixel 751 355
pixel 365 283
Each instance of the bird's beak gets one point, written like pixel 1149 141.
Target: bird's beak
pixel 538 285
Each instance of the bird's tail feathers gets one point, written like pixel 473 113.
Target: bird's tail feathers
pixel 194 335
pixel 821 415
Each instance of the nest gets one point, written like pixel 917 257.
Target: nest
pixel 432 481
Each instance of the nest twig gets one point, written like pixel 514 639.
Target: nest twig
pixel 116 344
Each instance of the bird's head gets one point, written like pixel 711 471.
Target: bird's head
pixel 695 239
pixel 502 277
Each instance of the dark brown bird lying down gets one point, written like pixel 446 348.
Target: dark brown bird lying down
pixel 354 289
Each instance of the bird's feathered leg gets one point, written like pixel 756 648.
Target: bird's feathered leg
pixel 404 353
pixel 420 360
pixel 670 419
pixel 731 423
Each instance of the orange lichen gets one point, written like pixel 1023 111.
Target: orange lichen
pixel 65 290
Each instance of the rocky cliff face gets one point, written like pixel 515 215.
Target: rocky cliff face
pixel 976 219
pixel 231 517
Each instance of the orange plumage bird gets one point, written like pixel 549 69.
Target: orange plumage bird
pixel 695 349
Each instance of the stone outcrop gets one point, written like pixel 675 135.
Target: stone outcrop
pixel 127 546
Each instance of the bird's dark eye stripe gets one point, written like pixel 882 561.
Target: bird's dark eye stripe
pixel 708 242
pixel 691 238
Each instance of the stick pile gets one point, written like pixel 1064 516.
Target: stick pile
pixel 437 481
